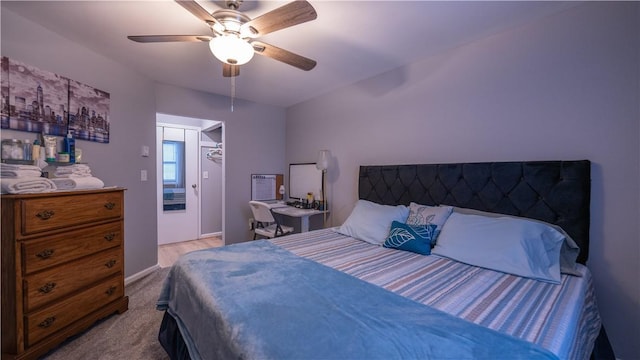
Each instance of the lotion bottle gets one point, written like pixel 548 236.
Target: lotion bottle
pixel 36 150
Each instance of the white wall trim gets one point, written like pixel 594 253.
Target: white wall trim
pixel 219 233
pixel 179 126
pixel 207 143
pixel 213 127
pixel 137 276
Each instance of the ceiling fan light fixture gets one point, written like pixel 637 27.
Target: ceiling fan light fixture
pixel 231 49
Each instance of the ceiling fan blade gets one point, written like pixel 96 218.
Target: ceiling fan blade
pixel 199 12
pixel 285 56
pixel 170 38
pixel 293 13
pixel 230 70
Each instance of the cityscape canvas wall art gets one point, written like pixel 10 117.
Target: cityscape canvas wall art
pixel 35 100
pixel 89 112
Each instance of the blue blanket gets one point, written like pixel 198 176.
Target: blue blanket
pixel 258 301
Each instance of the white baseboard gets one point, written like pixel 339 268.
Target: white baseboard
pixel 141 274
pixel 219 233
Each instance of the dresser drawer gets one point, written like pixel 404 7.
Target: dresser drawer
pixel 57 249
pixel 47 286
pixel 43 214
pixel 52 319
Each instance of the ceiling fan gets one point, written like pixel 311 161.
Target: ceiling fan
pixel 233 39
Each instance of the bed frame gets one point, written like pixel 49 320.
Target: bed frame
pixel 557 192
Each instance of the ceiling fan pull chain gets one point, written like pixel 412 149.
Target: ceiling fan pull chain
pixel 233 91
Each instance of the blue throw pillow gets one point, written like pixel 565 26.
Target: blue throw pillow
pixel 414 238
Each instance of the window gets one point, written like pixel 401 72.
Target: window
pixel 172 163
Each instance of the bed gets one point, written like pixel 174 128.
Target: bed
pixel 333 294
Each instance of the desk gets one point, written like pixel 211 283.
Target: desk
pixel 303 214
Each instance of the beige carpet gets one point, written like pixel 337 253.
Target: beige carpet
pixel 131 335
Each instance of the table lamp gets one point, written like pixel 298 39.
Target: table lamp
pixel 323 164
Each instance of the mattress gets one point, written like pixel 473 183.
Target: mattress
pixel 563 319
pixel 245 301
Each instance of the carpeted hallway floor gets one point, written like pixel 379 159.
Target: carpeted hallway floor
pixel 131 335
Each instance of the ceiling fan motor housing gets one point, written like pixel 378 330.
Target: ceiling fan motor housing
pixel 231 19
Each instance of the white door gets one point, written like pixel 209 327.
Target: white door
pixel 178 187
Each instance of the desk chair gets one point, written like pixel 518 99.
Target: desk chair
pixel 265 224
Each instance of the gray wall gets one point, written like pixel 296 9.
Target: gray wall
pixel 132 118
pixel 566 87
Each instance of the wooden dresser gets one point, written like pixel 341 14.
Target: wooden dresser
pixel 62 266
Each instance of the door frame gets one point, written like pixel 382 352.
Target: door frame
pixel 203 145
pixel 220 124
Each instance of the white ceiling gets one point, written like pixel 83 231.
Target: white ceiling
pixel 350 40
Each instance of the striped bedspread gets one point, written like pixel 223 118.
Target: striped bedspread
pixel 560 318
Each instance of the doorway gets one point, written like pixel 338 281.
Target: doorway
pixel 211 155
pixel 189 185
pixel 178 188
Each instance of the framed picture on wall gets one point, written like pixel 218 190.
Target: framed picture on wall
pixel 37 99
pixel 264 187
pixel 89 112
pixel 40 101
pixel 4 91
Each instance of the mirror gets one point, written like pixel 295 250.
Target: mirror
pixel 173 173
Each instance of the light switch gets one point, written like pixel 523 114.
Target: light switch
pixel 145 151
pixel 205 174
pixel 143 175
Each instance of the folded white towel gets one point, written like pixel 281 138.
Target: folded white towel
pixel 57 175
pixel 26 185
pixel 4 166
pixel 19 173
pixel 70 170
pixel 76 169
pixel 81 183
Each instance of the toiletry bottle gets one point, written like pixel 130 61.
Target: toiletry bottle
pixel 26 145
pixel 70 146
pixel 35 150
pixel 51 148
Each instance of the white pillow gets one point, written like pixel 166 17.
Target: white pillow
pixel 427 215
pixel 568 253
pixel 516 246
pixel 371 222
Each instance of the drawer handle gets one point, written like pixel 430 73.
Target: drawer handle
pixel 45 214
pixel 47 322
pixel 45 253
pixel 111 290
pixel 110 264
pixel 47 288
pixel 110 236
pixel 110 205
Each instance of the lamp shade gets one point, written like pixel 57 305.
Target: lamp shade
pixel 231 49
pixel 323 160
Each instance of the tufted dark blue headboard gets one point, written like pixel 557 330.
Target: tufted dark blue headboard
pixel 558 192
